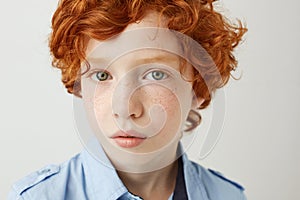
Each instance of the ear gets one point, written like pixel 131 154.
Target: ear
pixel 197 102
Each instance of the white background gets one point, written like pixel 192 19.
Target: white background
pixel 260 143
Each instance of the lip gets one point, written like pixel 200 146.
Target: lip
pixel 128 139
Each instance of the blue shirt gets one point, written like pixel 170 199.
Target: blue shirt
pixel 83 177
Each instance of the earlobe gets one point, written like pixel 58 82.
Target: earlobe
pixel 193 120
pixel 194 117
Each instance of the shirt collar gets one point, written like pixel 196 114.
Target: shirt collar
pixel 193 180
pixel 101 173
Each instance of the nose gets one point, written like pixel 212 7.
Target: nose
pixel 127 102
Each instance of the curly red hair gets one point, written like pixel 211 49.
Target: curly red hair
pixel 75 21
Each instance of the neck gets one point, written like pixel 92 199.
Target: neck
pixel 159 183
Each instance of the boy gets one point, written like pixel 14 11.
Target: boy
pixel 141 69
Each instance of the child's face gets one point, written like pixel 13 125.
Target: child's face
pixel 135 96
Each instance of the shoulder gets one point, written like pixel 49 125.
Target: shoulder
pixel 217 186
pixel 49 179
pixel 219 175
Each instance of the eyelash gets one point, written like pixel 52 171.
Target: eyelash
pixel 95 76
pixel 149 75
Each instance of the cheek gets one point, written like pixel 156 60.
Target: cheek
pixel 171 105
pixel 167 100
pixel 102 105
pixel 96 101
pixel 174 119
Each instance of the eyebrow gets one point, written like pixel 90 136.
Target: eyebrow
pixel 164 57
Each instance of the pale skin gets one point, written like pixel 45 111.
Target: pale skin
pixel 160 183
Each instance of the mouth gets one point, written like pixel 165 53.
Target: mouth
pixel 128 139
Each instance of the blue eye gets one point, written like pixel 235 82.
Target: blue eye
pixel 101 76
pixel 156 75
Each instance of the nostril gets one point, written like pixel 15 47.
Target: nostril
pixel 133 115
pixel 136 114
pixel 134 110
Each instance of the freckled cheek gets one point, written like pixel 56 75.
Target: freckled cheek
pixel 102 105
pixel 171 105
pixel 98 103
pixel 173 121
pixel 168 100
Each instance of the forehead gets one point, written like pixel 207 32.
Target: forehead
pixel 149 33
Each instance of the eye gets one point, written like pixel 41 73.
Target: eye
pixel 101 76
pixel 156 75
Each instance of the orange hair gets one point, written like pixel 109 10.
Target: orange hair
pixel 75 21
